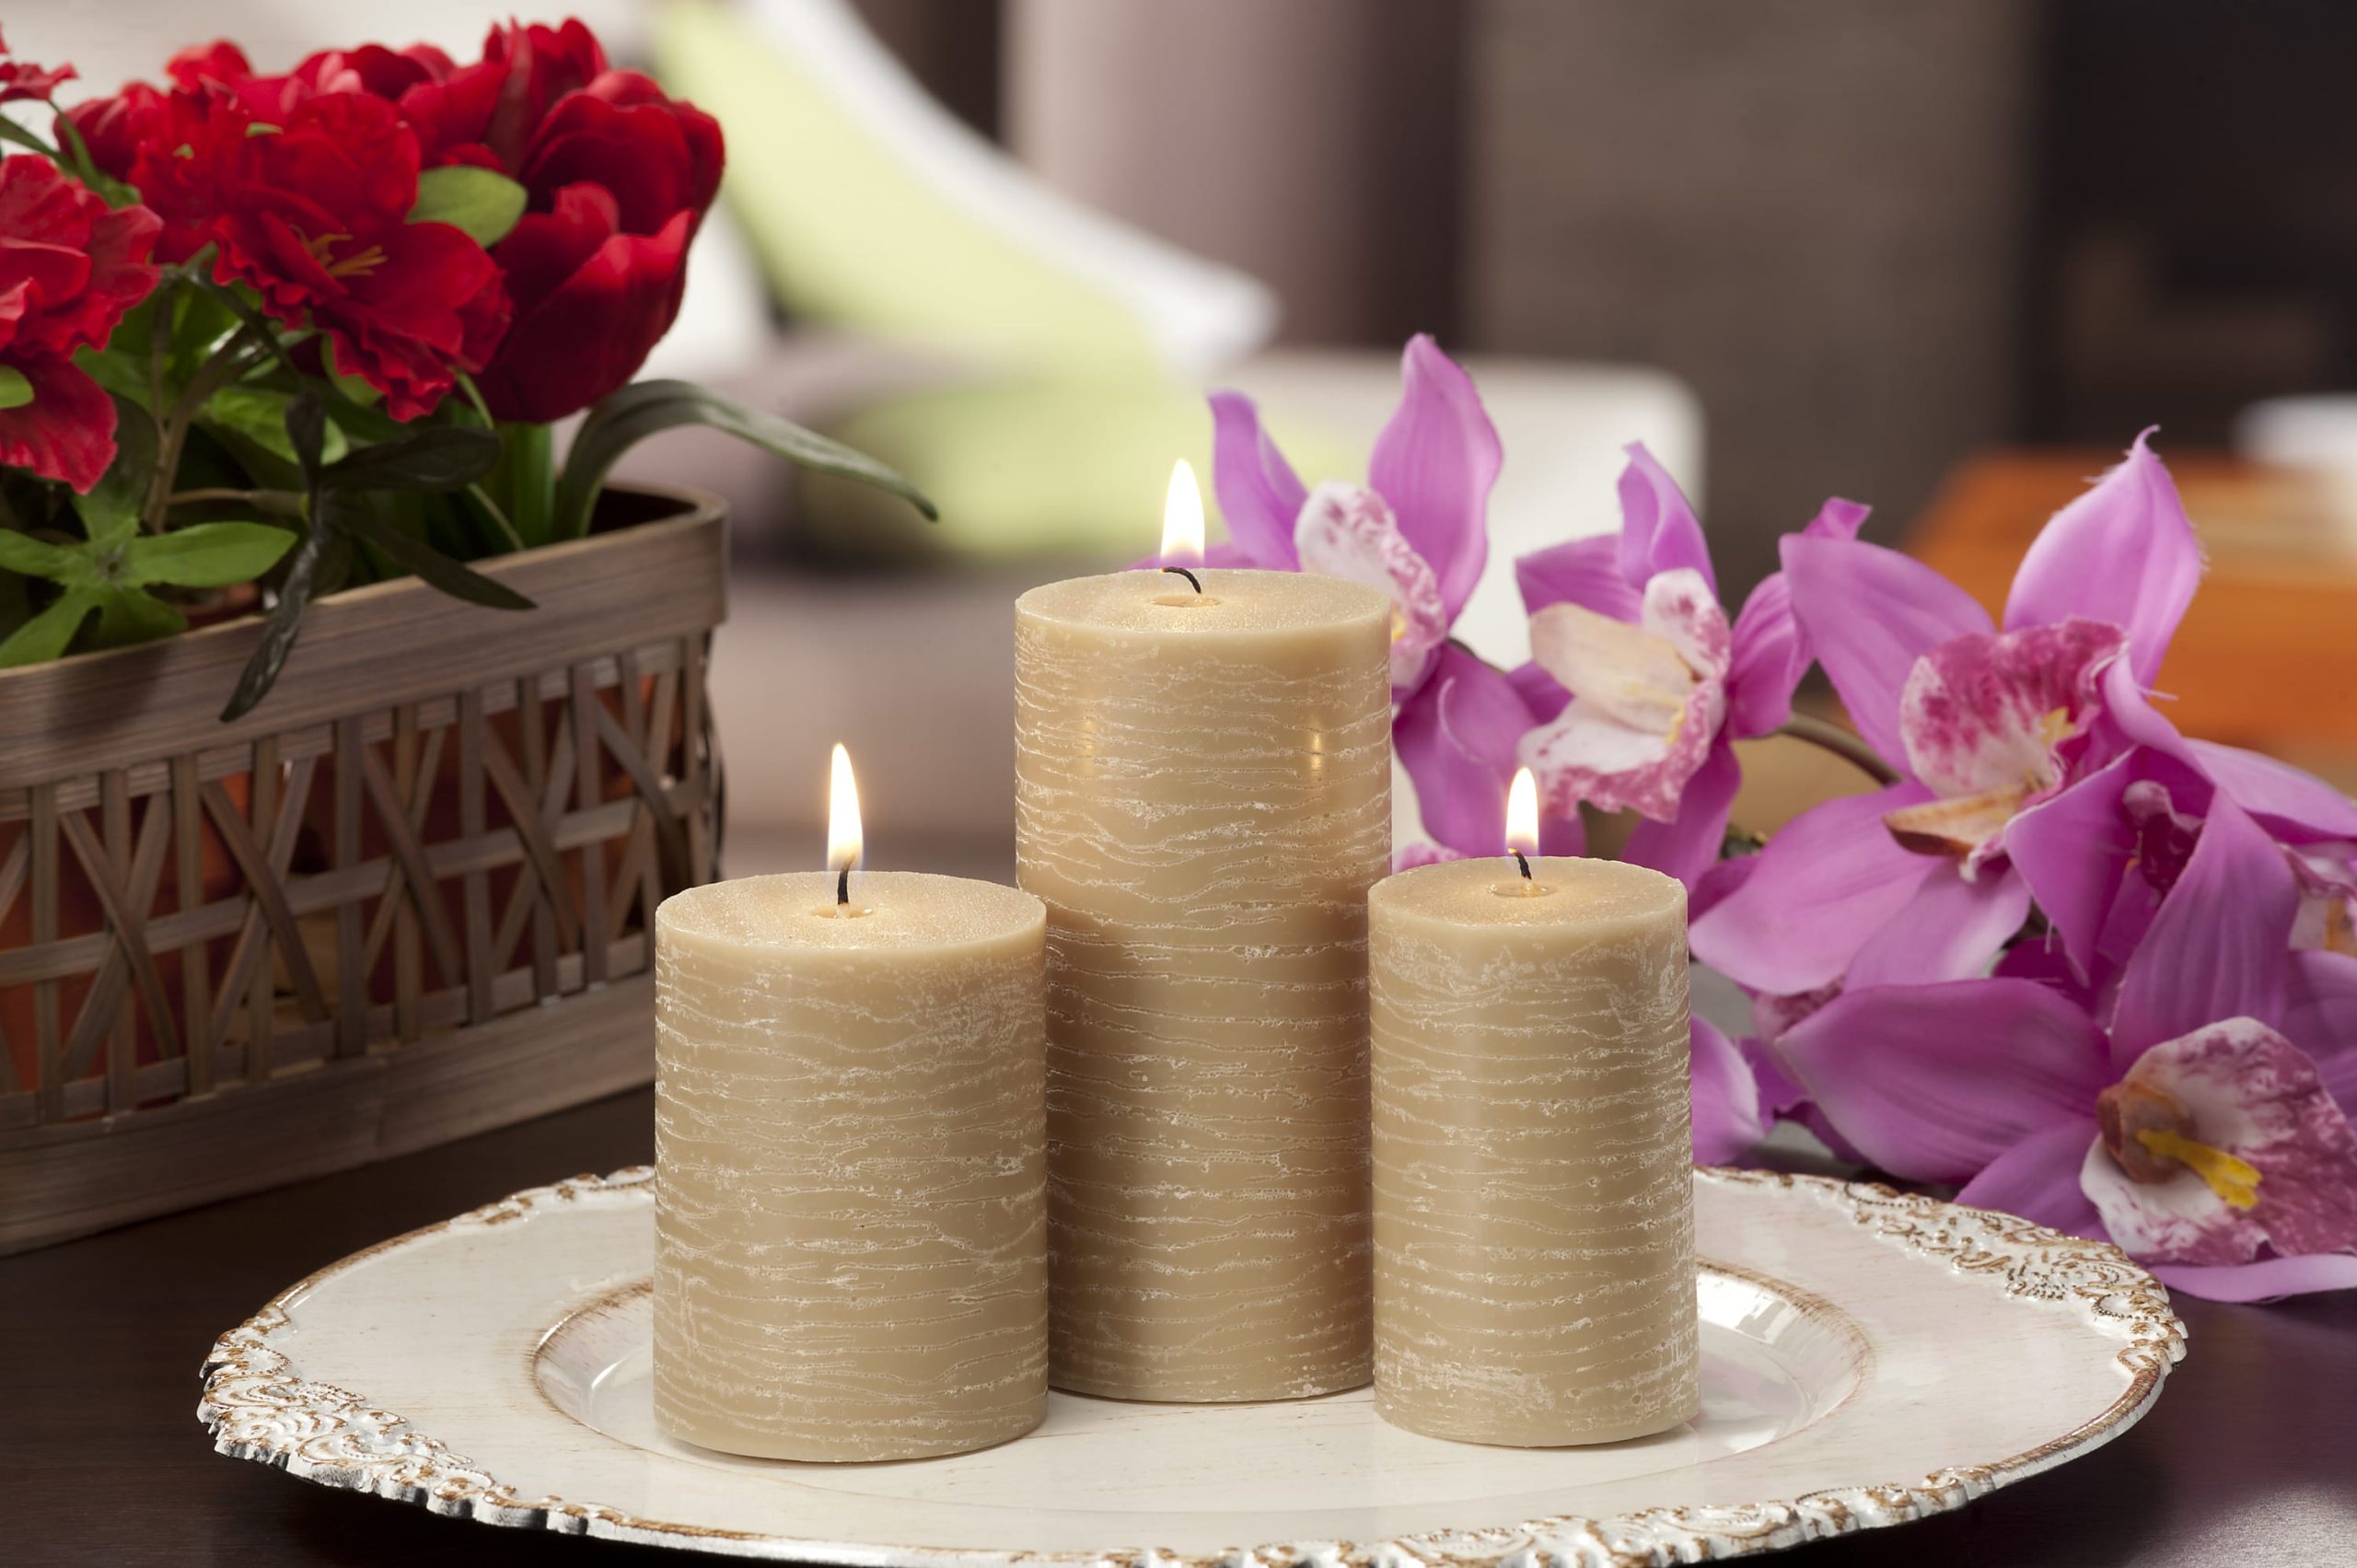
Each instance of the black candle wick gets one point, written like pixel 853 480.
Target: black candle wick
pixel 1518 860
pixel 1182 572
pixel 842 885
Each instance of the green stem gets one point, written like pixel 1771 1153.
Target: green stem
pixel 225 365
pixel 1842 744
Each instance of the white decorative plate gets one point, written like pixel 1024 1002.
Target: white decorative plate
pixel 1869 1358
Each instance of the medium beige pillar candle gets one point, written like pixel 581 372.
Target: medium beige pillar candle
pixel 1534 1201
pixel 849 1239
pixel 1202 788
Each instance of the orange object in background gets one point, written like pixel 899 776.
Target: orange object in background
pixel 2262 657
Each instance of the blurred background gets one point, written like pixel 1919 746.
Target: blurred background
pixel 1944 257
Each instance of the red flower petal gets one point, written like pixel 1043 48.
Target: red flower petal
pixel 66 432
pixel 590 334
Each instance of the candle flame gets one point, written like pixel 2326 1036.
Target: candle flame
pixel 1182 518
pixel 845 841
pixel 1521 814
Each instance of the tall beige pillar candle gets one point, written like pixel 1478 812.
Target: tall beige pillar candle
pixel 1203 787
pixel 1534 1206
pixel 850 1242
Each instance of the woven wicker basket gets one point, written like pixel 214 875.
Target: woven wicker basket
pixel 407 899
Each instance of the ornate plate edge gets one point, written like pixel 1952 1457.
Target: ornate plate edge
pixel 257 1407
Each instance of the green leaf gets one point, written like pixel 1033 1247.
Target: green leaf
pixel 117 370
pixel 110 512
pixel 16 388
pixel 44 637
pixel 415 555
pixel 629 416
pixel 127 616
pixel 259 414
pixel 12 132
pixel 34 558
pixel 482 202
pixel 322 559
pixel 438 459
pixel 209 555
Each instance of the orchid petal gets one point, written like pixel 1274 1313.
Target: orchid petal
pixel 1257 494
pixel 2123 552
pixel 1689 844
pixel 1346 530
pixel 1658 529
pixel 1585 572
pixel 1585 754
pixel 1824 885
pixel 2320 1018
pixel 2073 849
pixel 2179 1219
pixel 1455 738
pixel 1770 655
pixel 2257 1096
pixel 2268 1279
pixel 1726 1098
pixel 2252 1096
pixel 1434 463
pixel 1934 1082
pixel 1621 671
pixel 2295 804
pixel 1990 711
pixel 1541 692
pixel 2038 1179
pixel 2218 947
pixel 1409 856
pixel 1951 929
pixel 1704 893
pixel 1648 701
pixel 1870 613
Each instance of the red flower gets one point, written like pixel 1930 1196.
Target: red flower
pixel 20 80
pixel 315 217
pixel 70 266
pixel 149 140
pixel 486 113
pixel 593 300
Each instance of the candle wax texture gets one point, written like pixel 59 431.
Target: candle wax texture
pixel 1534 1194
pixel 851 1220
pixel 1203 795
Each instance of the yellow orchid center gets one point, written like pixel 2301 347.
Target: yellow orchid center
pixel 2235 1180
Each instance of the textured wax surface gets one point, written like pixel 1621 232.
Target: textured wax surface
pixel 1204 799
pixel 1534 1214
pixel 850 1241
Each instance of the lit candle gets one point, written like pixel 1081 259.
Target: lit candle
pixel 1534 1214
pixel 851 1239
pixel 1202 773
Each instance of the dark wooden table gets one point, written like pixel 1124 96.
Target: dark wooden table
pixel 2250 1456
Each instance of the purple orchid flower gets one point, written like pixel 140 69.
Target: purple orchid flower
pixel 1418 530
pixel 1640 681
pixel 2191 1129
pixel 1927 879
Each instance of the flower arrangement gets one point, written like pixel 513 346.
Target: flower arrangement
pixel 311 329
pixel 2083 967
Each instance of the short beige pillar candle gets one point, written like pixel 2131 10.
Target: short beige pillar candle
pixel 850 1242
pixel 1204 799
pixel 1534 1208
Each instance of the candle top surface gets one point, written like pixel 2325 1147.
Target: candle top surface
pixel 889 912
pixel 1234 602
pixel 1562 892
